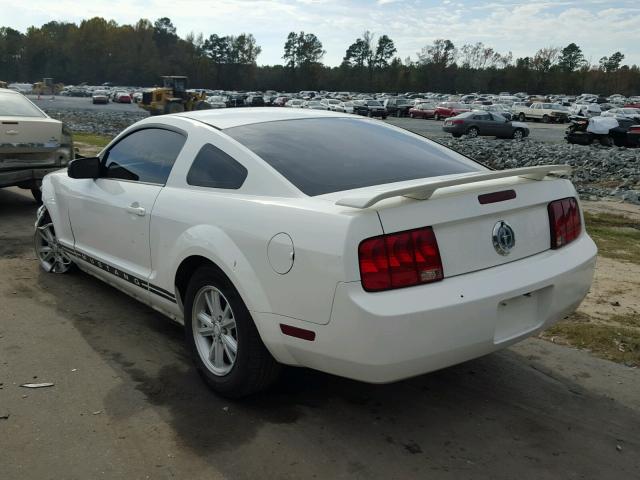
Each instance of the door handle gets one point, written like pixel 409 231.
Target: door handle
pixel 136 209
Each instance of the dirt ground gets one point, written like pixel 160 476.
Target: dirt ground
pixel 126 403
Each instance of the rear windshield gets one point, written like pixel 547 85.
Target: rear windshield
pixel 324 155
pixel 13 105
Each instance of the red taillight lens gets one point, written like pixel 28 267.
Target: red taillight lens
pixel 399 260
pixel 564 221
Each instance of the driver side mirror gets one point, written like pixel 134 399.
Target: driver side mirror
pixel 88 167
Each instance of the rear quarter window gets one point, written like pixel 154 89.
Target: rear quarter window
pixel 214 168
pixel 324 155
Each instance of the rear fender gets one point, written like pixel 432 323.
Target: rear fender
pixel 215 245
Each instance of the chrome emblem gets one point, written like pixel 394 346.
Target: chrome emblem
pixel 503 237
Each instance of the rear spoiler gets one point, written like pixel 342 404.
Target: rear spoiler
pixel 423 189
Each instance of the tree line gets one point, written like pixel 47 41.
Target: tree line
pixel 98 50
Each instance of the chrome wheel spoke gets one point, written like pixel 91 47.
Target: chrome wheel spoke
pixel 214 330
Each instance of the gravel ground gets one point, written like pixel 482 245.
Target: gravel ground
pixel 597 171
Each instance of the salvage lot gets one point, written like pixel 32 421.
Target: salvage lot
pixel 127 404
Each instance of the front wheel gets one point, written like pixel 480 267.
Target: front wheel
pixel 51 255
pixel 224 342
pixel 546 119
pixel 473 132
pixel 518 134
pixel 522 117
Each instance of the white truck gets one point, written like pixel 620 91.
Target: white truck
pixel 544 112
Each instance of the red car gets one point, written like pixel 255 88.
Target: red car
pixel 450 109
pixel 632 105
pixel 123 97
pixel 423 110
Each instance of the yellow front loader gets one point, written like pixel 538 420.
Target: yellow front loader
pixel 172 97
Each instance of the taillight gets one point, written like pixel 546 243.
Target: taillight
pixel 564 221
pixel 399 260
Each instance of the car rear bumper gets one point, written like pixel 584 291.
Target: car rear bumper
pixel 387 336
pixel 18 177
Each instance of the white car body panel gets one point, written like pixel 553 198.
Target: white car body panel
pixel 485 302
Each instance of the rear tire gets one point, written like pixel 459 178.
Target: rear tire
pixel 436 117
pixel 473 132
pixel 173 107
pixel 522 117
pixel 37 195
pixel 546 119
pixel 518 134
pixel 252 368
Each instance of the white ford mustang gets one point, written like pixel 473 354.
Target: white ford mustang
pixel 316 239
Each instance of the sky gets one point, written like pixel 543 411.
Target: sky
pixel 599 27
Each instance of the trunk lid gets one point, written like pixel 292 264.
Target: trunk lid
pixel 465 228
pixel 28 142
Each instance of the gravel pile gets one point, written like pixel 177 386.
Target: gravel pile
pixel 90 121
pixel 597 171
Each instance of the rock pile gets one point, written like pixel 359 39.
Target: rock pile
pixel 106 122
pixel 597 171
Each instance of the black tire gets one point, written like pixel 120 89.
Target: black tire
pixel 456 135
pixel 37 195
pixel 606 141
pixel 173 107
pixel 473 132
pixel 384 117
pixel 522 117
pixel 518 134
pixel 202 105
pixel 436 117
pixel 546 119
pixel 254 368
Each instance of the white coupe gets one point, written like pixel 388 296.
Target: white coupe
pixel 316 239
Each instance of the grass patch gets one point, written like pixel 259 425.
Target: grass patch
pixel 619 341
pixel 617 236
pixel 92 139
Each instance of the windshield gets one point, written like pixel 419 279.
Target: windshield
pixel 373 103
pixel 324 155
pixel 14 105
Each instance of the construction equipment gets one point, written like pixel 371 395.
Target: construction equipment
pixel 47 87
pixel 3 84
pixel 172 97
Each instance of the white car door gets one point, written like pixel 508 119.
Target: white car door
pixel 110 215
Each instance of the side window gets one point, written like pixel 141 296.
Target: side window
pixel 143 156
pixel 214 168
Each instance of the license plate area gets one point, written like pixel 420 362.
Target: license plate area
pixel 521 314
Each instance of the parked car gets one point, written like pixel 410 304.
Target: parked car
pixel 331 247
pixel 369 108
pixel 544 112
pixel 585 109
pixel 330 103
pixel 295 103
pixel 281 101
pixel 31 143
pixel 450 109
pixel 498 108
pixel 100 96
pixel 254 101
pixel 344 107
pixel 423 110
pixel 216 101
pixel 122 97
pixel 629 113
pixel 398 107
pixel 314 105
pixel 479 123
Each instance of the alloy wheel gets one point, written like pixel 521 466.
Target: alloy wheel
pixel 214 329
pixel 50 253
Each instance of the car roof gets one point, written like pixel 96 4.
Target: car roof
pixel 235 117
